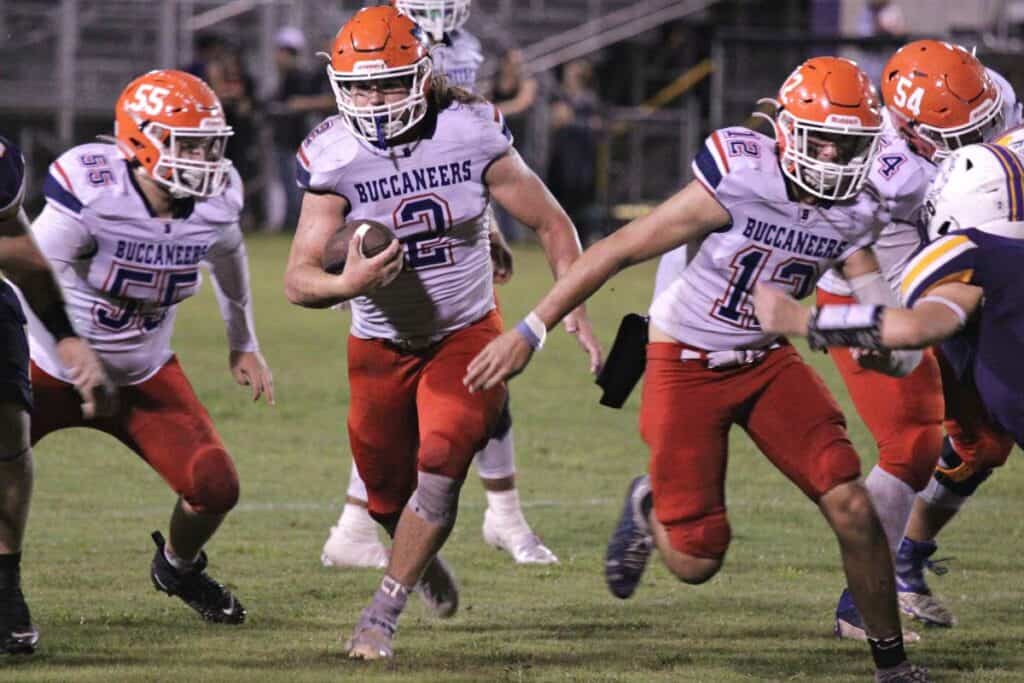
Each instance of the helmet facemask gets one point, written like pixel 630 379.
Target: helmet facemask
pixel 192 161
pixel 852 145
pixel 377 124
pixel 436 17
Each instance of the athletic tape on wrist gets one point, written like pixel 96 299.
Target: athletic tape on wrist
pixel 533 330
pixel 856 325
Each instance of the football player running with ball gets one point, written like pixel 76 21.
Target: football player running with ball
pixel 127 226
pixel 22 262
pixel 424 159
pixel 938 98
pixel 353 540
pixel 780 211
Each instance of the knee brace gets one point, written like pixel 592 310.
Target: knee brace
pixel 954 474
pixel 436 499
pixel 214 482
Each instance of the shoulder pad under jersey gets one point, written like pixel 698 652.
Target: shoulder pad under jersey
pixel 326 150
pixel 738 164
pixel 950 258
pixel 83 175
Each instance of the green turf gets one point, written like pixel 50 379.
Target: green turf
pixel 766 617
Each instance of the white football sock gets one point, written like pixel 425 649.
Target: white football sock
pixel 356 487
pixel 357 523
pixel 497 460
pixel 893 499
pixel 505 505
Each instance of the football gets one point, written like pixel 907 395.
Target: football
pixel 376 238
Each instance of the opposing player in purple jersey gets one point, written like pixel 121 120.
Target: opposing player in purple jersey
pixel 26 266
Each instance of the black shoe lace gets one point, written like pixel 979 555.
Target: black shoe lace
pixel 938 566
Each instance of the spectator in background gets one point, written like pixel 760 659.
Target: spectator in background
pixel 514 95
pixel 208 48
pixel 237 92
pixel 576 122
pixel 879 19
pixel 299 95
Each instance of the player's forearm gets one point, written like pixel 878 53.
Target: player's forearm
pixel 917 328
pixel 561 246
pixel 310 287
pixel 586 275
pixel 234 297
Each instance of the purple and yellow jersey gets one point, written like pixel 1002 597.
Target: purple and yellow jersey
pixel 987 351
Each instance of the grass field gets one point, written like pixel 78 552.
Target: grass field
pixel 766 617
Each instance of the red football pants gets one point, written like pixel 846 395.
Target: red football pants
pixel 410 412
pixel 904 414
pixel 685 417
pixel 160 419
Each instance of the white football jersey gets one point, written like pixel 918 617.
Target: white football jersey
pixel 670 266
pixel 901 177
pixel 771 239
pixel 459 58
pixel 123 270
pixel 432 195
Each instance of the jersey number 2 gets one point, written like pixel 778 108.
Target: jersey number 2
pixel 424 220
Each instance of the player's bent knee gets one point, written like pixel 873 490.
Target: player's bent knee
pixel 849 509
pixel 692 570
pixel 436 499
pixel 697 547
pixel 215 487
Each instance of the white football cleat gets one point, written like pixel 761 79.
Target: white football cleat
pixel 346 549
pixel 516 538
pixel 926 608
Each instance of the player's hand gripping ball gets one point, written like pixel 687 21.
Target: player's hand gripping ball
pixel 376 238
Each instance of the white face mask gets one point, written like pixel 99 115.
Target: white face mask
pixel 828 161
pixel 192 161
pixel 377 124
pixel 436 17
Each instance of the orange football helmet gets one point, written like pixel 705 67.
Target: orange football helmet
pixel 941 98
pixel 172 123
pixel 380 48
pixel 436 17
pixel 827 125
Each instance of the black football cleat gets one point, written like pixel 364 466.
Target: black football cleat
pixel 213 601
pixel 19 636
